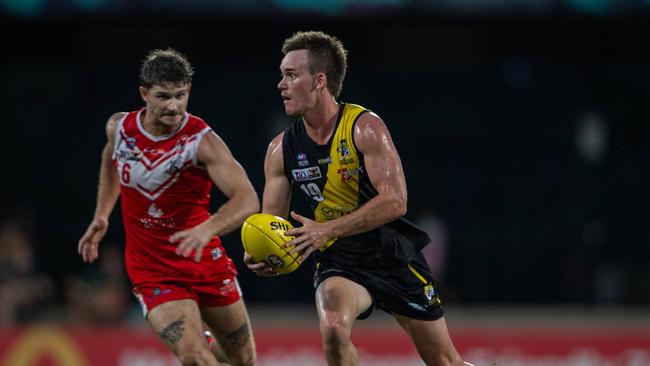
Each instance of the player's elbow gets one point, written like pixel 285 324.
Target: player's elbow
pixel 252 203
pixel 397 207
pixel 249 201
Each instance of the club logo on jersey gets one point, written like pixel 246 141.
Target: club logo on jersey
pixel 175 164
pixel 344 152
pixel 429 292
pixel 431 295
pixel 154 211
pixel 302 159
pixel 311 173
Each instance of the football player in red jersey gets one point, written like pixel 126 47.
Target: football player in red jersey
pixel 162 162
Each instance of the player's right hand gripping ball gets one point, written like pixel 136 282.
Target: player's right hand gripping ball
pixel 263 238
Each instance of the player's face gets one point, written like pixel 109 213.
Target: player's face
pixel 298 85
pixel 166 104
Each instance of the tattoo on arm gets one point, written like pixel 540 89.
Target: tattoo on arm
pixel 173 332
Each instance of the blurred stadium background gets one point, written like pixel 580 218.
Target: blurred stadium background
pixel 522 125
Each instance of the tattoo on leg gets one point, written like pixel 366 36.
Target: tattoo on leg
pixel 239 337
pixel 173 332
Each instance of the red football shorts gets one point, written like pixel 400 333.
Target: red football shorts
pixel 222 292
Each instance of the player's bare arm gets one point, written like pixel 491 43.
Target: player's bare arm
pixel 277 189
pixel 231 179
pixel 276 197
pixel 107 193
pixel 384 169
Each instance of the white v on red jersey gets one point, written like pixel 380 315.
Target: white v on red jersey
pixel 164 190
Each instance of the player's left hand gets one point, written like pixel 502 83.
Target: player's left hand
pixel 261 269
pixel 310 236
pixel 191 240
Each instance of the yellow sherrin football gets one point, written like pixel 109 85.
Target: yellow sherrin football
pixel 263 238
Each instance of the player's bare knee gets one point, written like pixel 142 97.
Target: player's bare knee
pixel 248 362
pixel 335 330
pixel 247 359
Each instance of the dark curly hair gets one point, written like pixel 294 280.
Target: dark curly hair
pixel 326 55
pixel 165 67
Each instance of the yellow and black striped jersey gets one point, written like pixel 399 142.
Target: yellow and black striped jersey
pixel 334 180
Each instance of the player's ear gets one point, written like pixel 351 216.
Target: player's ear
pixel 144 93
pixel 321 81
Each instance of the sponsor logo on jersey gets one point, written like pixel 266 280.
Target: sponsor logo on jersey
pixel 326 160
pixel 154 211
pixel 415 306
pixel 348 174
pixel 128 155
pixel 216 253
pixel 158 223
pixel 130 142
pixel 302 159
pixel 157 291
pixel 153 151
pixel 329 214
pixel 301 175
pixel 337 211
pixel 228 287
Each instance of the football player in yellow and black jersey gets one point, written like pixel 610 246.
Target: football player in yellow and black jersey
pixel 342 158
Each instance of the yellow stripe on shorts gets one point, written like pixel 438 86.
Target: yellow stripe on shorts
pixel 417 274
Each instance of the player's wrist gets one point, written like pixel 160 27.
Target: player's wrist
pixel 331 231
pixel 101 218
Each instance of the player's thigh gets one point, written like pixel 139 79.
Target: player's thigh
pixel 231 326
pixel 342 297
pixel 429 336
pixel 178 323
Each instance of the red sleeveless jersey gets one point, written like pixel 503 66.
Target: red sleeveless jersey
pixel 164 190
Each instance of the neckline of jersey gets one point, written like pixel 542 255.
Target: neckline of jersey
pixel 153 137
